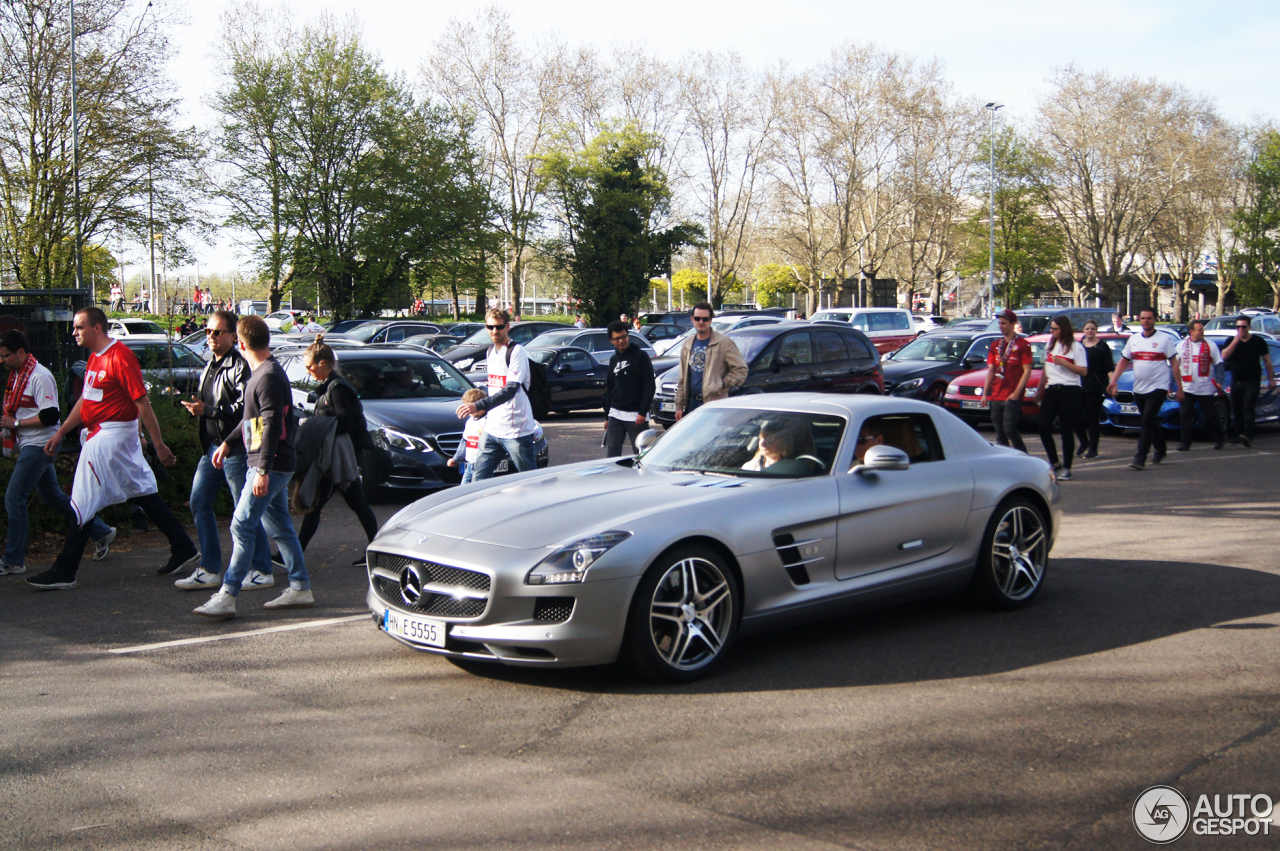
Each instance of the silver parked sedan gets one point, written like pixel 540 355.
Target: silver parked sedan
pixel 751 513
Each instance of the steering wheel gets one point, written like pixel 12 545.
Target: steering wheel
pixel 822 468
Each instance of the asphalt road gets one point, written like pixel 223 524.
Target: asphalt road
pixel 1151 656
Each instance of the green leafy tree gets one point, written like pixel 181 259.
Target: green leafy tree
pixel 1028 244
pixel 612 199
pixel 1257 224
pixel 773 281
pixel 691 282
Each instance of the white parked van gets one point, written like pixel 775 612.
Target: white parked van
pixel 889 328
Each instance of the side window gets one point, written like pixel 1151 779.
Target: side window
pixel 914 434
pixel 637 339
pixel 796 346
pixel 595 343
pixel 395 334
pixel 901 321
pixel 859 321
pixel 578 361
pixel 830 346
pixel 1272 324
pixel 523 333
pixel 860 349
pixel 979 349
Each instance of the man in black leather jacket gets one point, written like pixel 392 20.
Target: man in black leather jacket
pixel 220 407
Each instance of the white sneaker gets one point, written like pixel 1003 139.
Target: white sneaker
pixel 257 579
pixel 200 579
pixel 101 548
pixel 7 569
pixel 221 606
pixel 292 598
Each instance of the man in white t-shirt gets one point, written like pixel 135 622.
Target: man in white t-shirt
pixel 1153 356
pixel 511 428
pixel 1197 358
pixel 30 417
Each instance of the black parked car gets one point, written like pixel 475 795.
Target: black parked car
pixel 390 332
pixel 923 368
pixel 662 331
pixel 438 343
pixel 790 356
pixel 465 354
pixel 346 325
pixel 163 363
pixel 575 378
pixel 409 399
pixel 594 340
pixel 464 329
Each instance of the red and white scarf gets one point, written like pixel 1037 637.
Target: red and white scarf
pixel 1192 365
pixel 16 386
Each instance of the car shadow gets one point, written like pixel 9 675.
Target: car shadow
pixel 1086 606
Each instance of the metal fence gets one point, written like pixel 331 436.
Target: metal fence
pixel 45 316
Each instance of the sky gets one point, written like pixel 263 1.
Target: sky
pixel 994 50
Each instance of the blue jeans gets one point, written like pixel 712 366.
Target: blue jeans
pixel 523 452
pixel 33 470
pixel 251 515
pixel 467 470
pixel 205 485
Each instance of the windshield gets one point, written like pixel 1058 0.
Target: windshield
pixel 933 349
pixel 157 357
pixel 376 378
pixel 479 338
pixel 728 442
pixel 542 356
pixel 140 326
pixel 833 316
pixel 751 342
pixel 364 333
pixel 554 338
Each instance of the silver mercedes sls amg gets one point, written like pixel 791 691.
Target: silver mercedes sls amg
pixel 750 513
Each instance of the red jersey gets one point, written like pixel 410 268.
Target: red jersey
pixel 1007 359
pixel 112 382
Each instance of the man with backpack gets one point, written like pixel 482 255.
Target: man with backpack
pixel 516 399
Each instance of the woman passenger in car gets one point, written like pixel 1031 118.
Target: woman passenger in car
pixel 775 443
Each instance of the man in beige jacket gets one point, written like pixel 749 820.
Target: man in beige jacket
pixel 710 364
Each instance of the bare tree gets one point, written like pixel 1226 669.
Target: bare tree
pixel 730 116
pixel 1117 156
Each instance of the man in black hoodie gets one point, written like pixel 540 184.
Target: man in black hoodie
pixel 628 391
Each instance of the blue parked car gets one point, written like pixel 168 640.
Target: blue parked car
pixel 1121 413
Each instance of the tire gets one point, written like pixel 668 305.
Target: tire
pixel 1014 555
pixel 684 616
pixel 369 475
pixel 936 394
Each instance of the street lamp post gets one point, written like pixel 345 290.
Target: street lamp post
pixel 991 253
pixel 75 153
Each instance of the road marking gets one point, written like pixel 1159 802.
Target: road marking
pixel 247 633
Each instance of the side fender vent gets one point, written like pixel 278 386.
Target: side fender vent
pixel 792 559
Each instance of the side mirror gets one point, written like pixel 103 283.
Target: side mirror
pixel 883 458
pixel 783 360
pixel 974 362
pixel 312 398
pixel 561 369
pixel 646 439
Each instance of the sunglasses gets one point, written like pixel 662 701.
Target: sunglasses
pixel 214 332
pixel 702 319
pixel 868 438
pixel 495 327
pixel 1242 326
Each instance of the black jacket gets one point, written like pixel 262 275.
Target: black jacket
pixel 337 398
pixel 1100 363
pixel 629 385
pixel 222 390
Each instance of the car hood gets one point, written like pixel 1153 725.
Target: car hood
pixel 546 509
pixel 899 371
pixel 418 417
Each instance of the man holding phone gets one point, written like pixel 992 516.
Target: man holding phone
pixel 220 407
pixel 1245 356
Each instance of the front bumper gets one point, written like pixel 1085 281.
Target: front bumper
pixel 516 624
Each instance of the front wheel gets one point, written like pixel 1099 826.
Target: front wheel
pixel 1014 555
pixel 684 616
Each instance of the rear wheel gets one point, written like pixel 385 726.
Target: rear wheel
pixel 1014 555
pixel 684 616
pixel 936 393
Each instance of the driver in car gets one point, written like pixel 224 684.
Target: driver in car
pixel 868 436
pixel 400 381
pixel 775 443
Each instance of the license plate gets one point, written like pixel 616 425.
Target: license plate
pixel 417 630
pixel 503 466
pixel 1128 409
pixel 668 407
pixel 975 405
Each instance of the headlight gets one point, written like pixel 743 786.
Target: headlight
pixel 1031 393
pixel 464 363
pixel 570 563
pixel 908 386
pixel 388 437
pixel 953 389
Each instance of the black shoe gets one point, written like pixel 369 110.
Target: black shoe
pixel 1138 463
pixel 52 580
pixel 1092 453
pixel 1081 451
pixel 1157 456
pixel 1246 442
pixel 140 521
pixel 1184 447
pixel 1218 445
pixel 179 562
pixel 278 560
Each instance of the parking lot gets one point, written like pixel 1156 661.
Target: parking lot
pixel 1151 656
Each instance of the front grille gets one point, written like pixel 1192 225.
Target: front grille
pixel 449 442
pixel 1124 397
pixel 553 609
pixel 454 591
pixel 970 390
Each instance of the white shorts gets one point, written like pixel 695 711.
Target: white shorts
pixel 111 470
